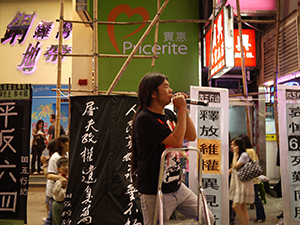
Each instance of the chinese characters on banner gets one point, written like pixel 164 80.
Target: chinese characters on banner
pixel 222 59
pixel 20 26
pixel 100 190
pixel 289 123
pixel 218 48
pixel 212 140
pixel 15 111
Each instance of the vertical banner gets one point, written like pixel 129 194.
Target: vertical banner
pixel 211 124
pixel 177 46
pixel 289 141
pixel 15 111
pixel 99 188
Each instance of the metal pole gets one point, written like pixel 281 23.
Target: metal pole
pixel 211 43
pixel 95 47
pixel 278 4
pixel 245 88
pixel 59 65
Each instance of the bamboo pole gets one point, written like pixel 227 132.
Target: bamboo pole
pixel 211 43
pixel 245 88
pixel 107 55
pixel 165 21
pixel 117 78
pixel 69 106
pixel 95 48
pixel 59 65
pixel 276 70
pixel 155 36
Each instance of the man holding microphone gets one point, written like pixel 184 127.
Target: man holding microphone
pixel 154 130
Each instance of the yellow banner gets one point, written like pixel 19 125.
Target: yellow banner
pixel 211 155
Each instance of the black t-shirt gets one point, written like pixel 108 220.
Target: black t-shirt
pixel 52 130
pixel 150 130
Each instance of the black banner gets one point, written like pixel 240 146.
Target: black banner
pixel 15 118
pixel 99 187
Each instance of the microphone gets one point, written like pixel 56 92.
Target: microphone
pixel 196 102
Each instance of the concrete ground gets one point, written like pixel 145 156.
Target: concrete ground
pixel 36 208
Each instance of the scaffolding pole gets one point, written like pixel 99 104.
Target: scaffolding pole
pixel 59 65
pixel 211 43
pixel 95 49
pixel 245 88
pixel 276 70
pixel 155 19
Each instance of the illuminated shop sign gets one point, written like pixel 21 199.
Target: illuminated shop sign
pixel 53 49
pixel 30 58
pixel 43 30
pixel 249 44
pixel 67 30
pixel 222 49
pixel 19 26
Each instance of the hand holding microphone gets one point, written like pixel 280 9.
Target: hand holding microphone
pixel 196 102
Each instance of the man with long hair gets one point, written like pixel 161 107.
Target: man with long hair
pixel 156 128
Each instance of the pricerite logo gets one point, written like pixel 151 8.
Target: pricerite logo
pixel 115 12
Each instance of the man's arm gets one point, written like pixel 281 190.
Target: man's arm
pixel 190 134
pixel 175 139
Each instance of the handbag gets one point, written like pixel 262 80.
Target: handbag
pixel 250 170
pixel 41 143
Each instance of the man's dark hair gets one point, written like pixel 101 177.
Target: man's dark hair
pixel 149 83
pixel 61 160
pixel 53 116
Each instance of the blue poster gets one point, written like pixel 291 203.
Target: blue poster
pixel 44 104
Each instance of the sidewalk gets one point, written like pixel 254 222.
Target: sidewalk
pixel 36 208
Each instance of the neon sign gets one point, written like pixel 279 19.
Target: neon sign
pixel 249 45
pixel 222 59
pixel 19 26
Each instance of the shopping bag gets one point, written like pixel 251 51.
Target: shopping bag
pixel 250 170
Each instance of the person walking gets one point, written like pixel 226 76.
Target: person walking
pixel 156 128
pixel 260 211
pixel 240 192
pixel 38 146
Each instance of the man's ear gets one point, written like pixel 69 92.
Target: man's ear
pixel 154 94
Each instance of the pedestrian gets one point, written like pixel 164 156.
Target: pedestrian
pixel 61 150
pixel 240 192
pixel 51 130
pixel 156 128
pixel 59 190
pixel 260 211
pixel 38 146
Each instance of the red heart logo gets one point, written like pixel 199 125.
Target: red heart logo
pixel 112 17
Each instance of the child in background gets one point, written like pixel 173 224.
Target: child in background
pixel 45 159
pixel 59 191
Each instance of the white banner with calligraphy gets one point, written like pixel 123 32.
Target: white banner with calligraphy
pixel 289 144
pixel 211 123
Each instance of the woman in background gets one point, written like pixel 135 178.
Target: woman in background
pixel 38 146
pixel 240 193
pixel 260 211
